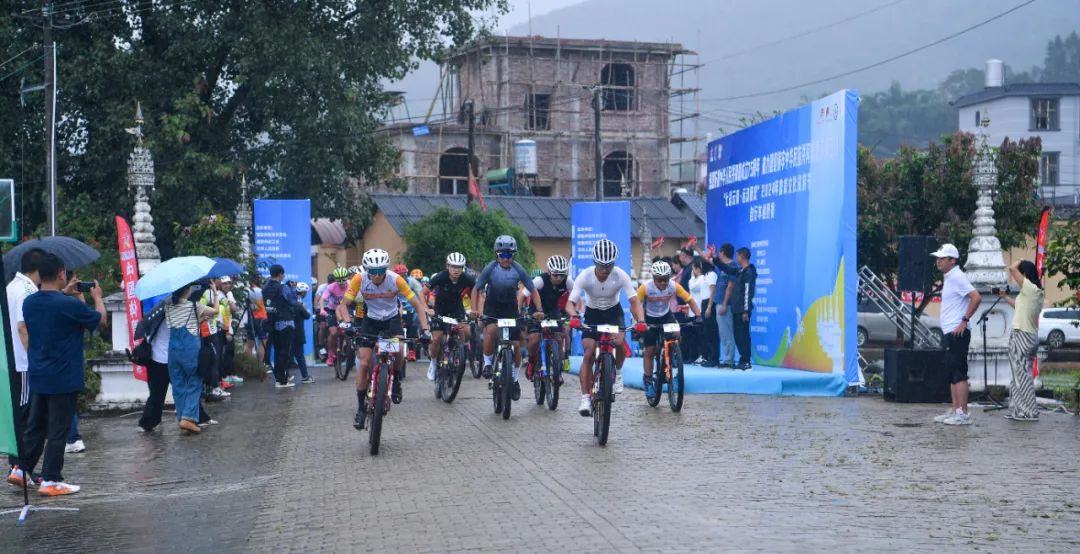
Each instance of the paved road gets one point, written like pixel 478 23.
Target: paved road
pixel 285 472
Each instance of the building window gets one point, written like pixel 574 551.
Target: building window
pixel 618 172
pixel 538 111
pixel 1044 114
pixel 454 171
pixel 1048 169
pixel 617 80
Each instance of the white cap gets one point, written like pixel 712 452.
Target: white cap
pixel 226 279
pixel 947 250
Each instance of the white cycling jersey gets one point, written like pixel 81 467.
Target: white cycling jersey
pixel 601 295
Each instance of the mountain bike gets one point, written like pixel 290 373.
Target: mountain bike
pixel 450 367
pixel 548 379
pixel 668 367
pixel 475 352
pixel 502 379
pixel 387 354
pixel 345 356
pixel 603 393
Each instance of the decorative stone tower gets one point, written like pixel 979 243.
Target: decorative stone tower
pixel 646 247
pixel 141 178
pixel 244 220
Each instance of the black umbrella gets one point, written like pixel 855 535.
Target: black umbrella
pixel 75 254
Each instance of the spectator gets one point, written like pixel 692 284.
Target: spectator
pixel 183 317
pixel 157 371
pixel 959 300
pixel 1024 340
pixel 210 357
pixel 24 284
pixel 55 324
pixel 726 269
pixel 257 333
pixel 742 306
pixel 223 339
pixel 300 336
pixel 703 288
pixel 281 306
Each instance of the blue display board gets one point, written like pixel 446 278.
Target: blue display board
pixel 283 236
pixel 785 188
pixel 590 222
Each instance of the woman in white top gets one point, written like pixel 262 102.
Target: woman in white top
pixel 1024 340
pixel 703 340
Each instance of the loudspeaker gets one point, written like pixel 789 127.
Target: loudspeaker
pixel 916 376
pixel 916 266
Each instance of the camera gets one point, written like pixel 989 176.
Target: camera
pixel 86 286
pixel 997 290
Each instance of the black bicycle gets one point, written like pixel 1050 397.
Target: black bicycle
pixel 475 352
pixel 345 356
pixel 450 367
pixel 502 379
pixel 603 393
pixel 548 377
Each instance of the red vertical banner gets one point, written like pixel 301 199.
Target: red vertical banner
pixel 474 190
pixel 129 269
pixel 1040 260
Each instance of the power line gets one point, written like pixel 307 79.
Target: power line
pixel 873 65
pixel 17 56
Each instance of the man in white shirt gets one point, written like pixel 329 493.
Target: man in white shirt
pixel 24 284
pixel 959 300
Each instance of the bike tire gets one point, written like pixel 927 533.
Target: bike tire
pixel 677 384
pixel 658 380
pixel 476 356
pixel 602 407
pixel 350 362
pixel 455 370
pixel 381 392
pixel 339 368
pixel 554 373
pixel 496 390
pixel 507 361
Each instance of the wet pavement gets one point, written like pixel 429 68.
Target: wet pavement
pixel 285 472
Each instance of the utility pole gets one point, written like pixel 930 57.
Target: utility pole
pixel 598 158
pixel 471 116
pixel 50 110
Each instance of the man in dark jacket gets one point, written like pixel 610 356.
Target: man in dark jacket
pixel 282 306
pixel 742 305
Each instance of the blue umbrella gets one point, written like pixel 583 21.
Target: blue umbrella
pixel 173 275
pixel 223 267
pixel 75 254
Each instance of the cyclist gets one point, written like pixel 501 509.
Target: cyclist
pixel 331 297
pixel 554 291
pixel 501 278
pixel 379 288
pixel 450 287
pixel 657 295
pixel 408 313
pixel 601 286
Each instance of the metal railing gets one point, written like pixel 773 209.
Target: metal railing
pixel 875 290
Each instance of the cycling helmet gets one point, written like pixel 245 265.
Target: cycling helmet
pixel 455 259
pixel 416 274
pixel 604 252
pixel 354 269
pixel 505 243
pixel 558 264
pixel 425 280
pixel 340 274
pixel 376 258
pixel 302 287
pixel 661 269
pixel 400 269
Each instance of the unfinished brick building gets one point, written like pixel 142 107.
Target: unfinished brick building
pixel 540 89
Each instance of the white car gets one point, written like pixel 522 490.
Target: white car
pixel 1059 326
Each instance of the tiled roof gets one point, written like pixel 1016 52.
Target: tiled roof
pixel 541 217
pixel 691 201
pixel 1019 89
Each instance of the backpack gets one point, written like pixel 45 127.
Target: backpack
pixel 277 308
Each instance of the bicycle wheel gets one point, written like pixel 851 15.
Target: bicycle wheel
pixel 339 368
pixel 676 386
pixel 350 362
pixel 602 404
pixel 379 401
pixel 476 355
pixel 554 373
pixel 658 380
pixel 506 360
pixel 455 370
pixel 496 388
pixel 539 385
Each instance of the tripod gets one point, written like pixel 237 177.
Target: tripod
pixel 997 405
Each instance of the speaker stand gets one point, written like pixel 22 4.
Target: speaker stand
pixel 997 405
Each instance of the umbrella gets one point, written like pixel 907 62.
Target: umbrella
pixel 75 254
pixel 223 267
pixel 173 275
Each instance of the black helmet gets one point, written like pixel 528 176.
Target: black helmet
pixel 505 243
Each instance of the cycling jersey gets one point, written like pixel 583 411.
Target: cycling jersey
pixel 417 289
pixel 332 295
pixel 601 295
pixel 552 297
pixel 449 296
pixel 658 301
pixel 502 283
pixel 380 301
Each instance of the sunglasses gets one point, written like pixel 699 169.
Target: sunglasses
pixel 605 266
pixel 505 255
pixel 664 280
pixel 341 281
pixel 374 272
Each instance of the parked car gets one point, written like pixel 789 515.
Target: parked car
pixel 1059 326
pixel 876 326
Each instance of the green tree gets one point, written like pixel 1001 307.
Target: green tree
pixel 471 232
pixel 1063 257
pixel 214 235
pixel 1062 63
pixel 288 93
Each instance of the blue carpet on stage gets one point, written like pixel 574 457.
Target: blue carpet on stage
pixel 760 380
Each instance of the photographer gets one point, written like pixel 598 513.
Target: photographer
pixel 1024 339
pixel 56 322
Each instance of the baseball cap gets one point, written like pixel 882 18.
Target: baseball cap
pixel 225 279
pixel 947 250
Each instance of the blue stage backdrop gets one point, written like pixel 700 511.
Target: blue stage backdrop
pixel 283 236
pixel 590 222
pixel 785 188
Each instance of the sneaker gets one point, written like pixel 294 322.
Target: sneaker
pixel 284 385
pixel 292 378
pixel 487 371
pixel 331 359
pixel 528 371
pixel 308 380
pixel 516 393
pixel 218 392
pixel 648 386
pixel 144 430
pixel 744 367
pixel 234 380
pixel 18 476
pixel 359 419
pixel 189 426
pixel 75 447
pixel 941 418
pixel 412 355
pixel 1021 418
pixel 585 408
pixel 618 388
pixel 208 423
pixel 57 488
pixel 566 365
pixel 225 385
pixel 431 371
pixel 959 418
pixel 395 392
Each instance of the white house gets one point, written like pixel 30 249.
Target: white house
pixel 1050 111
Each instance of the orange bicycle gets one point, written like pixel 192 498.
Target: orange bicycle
pixel 668 367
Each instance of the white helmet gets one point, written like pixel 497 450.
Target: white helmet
pixel 455 259
pixel 302 287
pixel 354 269
pixel 376 258
pixel 661 269
pixel 558 264
pixel 605 252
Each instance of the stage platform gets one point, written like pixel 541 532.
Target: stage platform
pixel 759 380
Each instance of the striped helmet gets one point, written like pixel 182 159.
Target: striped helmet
pixel 604 252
